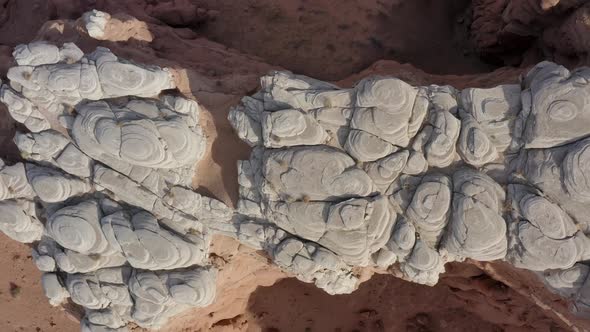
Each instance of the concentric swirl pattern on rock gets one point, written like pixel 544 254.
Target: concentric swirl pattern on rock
pixel 106 197
pixel 418 175
pixel 382 175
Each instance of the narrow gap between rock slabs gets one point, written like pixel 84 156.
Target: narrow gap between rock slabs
pixel 386 303
pixel 332 39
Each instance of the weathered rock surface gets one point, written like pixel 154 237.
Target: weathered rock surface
pixel 418 257
pixel 427 175
pixel 105 192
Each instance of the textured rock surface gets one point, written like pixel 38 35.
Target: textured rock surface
pixel 105 192
pixel 249 275
pixel 521 31
pixel 426 175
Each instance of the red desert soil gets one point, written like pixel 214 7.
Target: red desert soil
pixel 327 39
pixel 385 303
pixel 23 306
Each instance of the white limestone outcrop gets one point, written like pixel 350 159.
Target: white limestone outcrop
pixel 387 173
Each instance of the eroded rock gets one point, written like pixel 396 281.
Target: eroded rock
pixel 419 175
pixel 106 191
pixel 338 180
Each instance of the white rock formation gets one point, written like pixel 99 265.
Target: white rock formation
pixel 44 53
pixel 123 233
pixel 558 100
pixel 477 229
pixel 542 235
pixel 386 172
pixel 19 220
pixel 22 110
pixel 40 86
pixel 338 179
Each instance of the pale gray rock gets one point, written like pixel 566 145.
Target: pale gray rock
pixel 581 303
pixel 252 234
pixel 574 170
pixel 49 256
pixel 55 149
pixel 560 173
pixel 423 265
pixel 311 263
pixel 113 186
pixel 140 133
pixel 247 123
pixel 291 127
pixel 402 191
pixel 364 146
pixel 353 229
pixel 54 289
pixel 386 170
pixel 19 221
pixel 567 282
pixel 312 173
pixel 98 75
pixel 86 326
pixel 336 122
pixel 146 245
pixel 542 235
pixel 395 95
pixel 44 53
pixel 53 186
pixel 104 318
pixel 338 179
pixel 559 99
pixel 77 227
pixel 14 182
pixel 157 296
pixel 305 219
pixel 443 98
pixel 141 81
pixel 384 109
pixel 530 247
pixel 71 261
pixel 384 137
pixel 495 110
pixel 280 89
pixel 402 240
pixel 91 240
pixel 44 254
pixel 95 22
pixel 204 208
pixel 430 208
pixel 22 110
pixel 384 258
pixel 416 164
pixel 439 150
pixel 128 190
pixel 87 289
pixel 476 229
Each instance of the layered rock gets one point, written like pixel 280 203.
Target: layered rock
pixel 105 190
pixel 387 173
pixel 514 30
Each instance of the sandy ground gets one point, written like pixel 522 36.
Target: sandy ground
pixel 23 306
pixel 327 39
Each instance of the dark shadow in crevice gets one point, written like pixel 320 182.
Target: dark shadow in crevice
pixel 385 303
